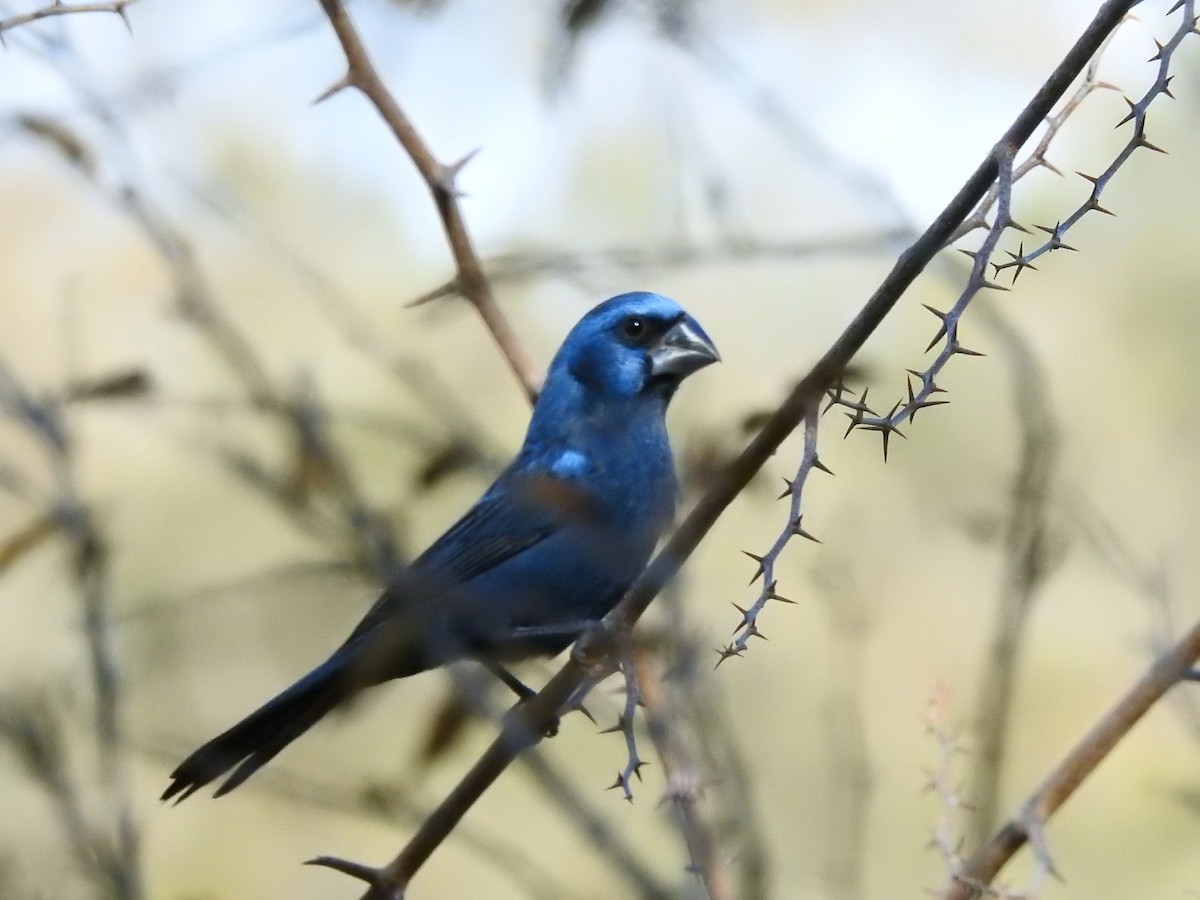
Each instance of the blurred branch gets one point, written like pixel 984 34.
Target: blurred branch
pixel 522 265
pixel 845 727
pixel 607 840
pixel 340 310
pixel 58 8
pixel 638 258
pixel 685 782
pixel 390 804
pixel 119 852
pixel 442 183
pixel 1027 825
pixel 1027 561
pixel 593 654
pixel 34 733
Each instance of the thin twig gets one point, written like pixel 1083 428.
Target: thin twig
pixel 441 180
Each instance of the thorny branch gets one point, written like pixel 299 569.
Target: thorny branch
pixel 441 179
pixel 638 258
pixel 922 386
pixel 631 672
pixel 593 654
pixel 1027 825
pixel 58 8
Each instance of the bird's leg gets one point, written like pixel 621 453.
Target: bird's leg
pixel 524 692
pixel 514 684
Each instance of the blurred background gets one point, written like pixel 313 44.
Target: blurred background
pixel 203 286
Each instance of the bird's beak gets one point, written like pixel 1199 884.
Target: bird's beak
pixel 682 350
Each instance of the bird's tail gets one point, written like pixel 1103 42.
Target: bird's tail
pixel 255 740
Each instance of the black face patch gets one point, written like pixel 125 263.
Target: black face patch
pixel 642 330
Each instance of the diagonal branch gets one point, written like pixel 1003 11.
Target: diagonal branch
pixel 58 8
pixel 469 279
pixel 1026 826
pixel 594 653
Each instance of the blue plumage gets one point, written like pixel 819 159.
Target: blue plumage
pixel 550 546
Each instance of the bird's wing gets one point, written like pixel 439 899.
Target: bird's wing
pixel 514 516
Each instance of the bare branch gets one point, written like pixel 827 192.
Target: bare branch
pixel 58 8
pixel 1026 826
pixel 441 179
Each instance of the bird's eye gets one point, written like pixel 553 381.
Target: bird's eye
pixel 633 328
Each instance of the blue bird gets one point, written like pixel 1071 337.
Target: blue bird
pixel 548 549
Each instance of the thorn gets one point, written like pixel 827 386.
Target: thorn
pixel 338 86
pixel 369 874
pixel 1093 205
pixel 1046 164
pixel 761 565
pixel 860 409
pixel 991 285
pixel 886 428
pixel 914 405
pixel 580 708
pixel 1165 88
pixel 1014 224
pixel 1094 179
pixel 726 653
pixel 959 348
pixel 820 466
pixel 1133 112
pixel 449 289
pixel 942 330
pixel 746 620
pixel 798 530
pixel 448 175
pixel 790 487
pixel 968 253
pixel 1159 47
pixel 772 594
pixel 1019 262
pixel 1175 8
pixel 1142 142
pixel 835 394
pixel 1056 241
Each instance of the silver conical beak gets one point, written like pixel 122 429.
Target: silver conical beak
pixel 682 350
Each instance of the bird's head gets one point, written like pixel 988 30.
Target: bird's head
pixel 634 344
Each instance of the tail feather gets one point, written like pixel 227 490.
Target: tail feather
pixel 255 740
